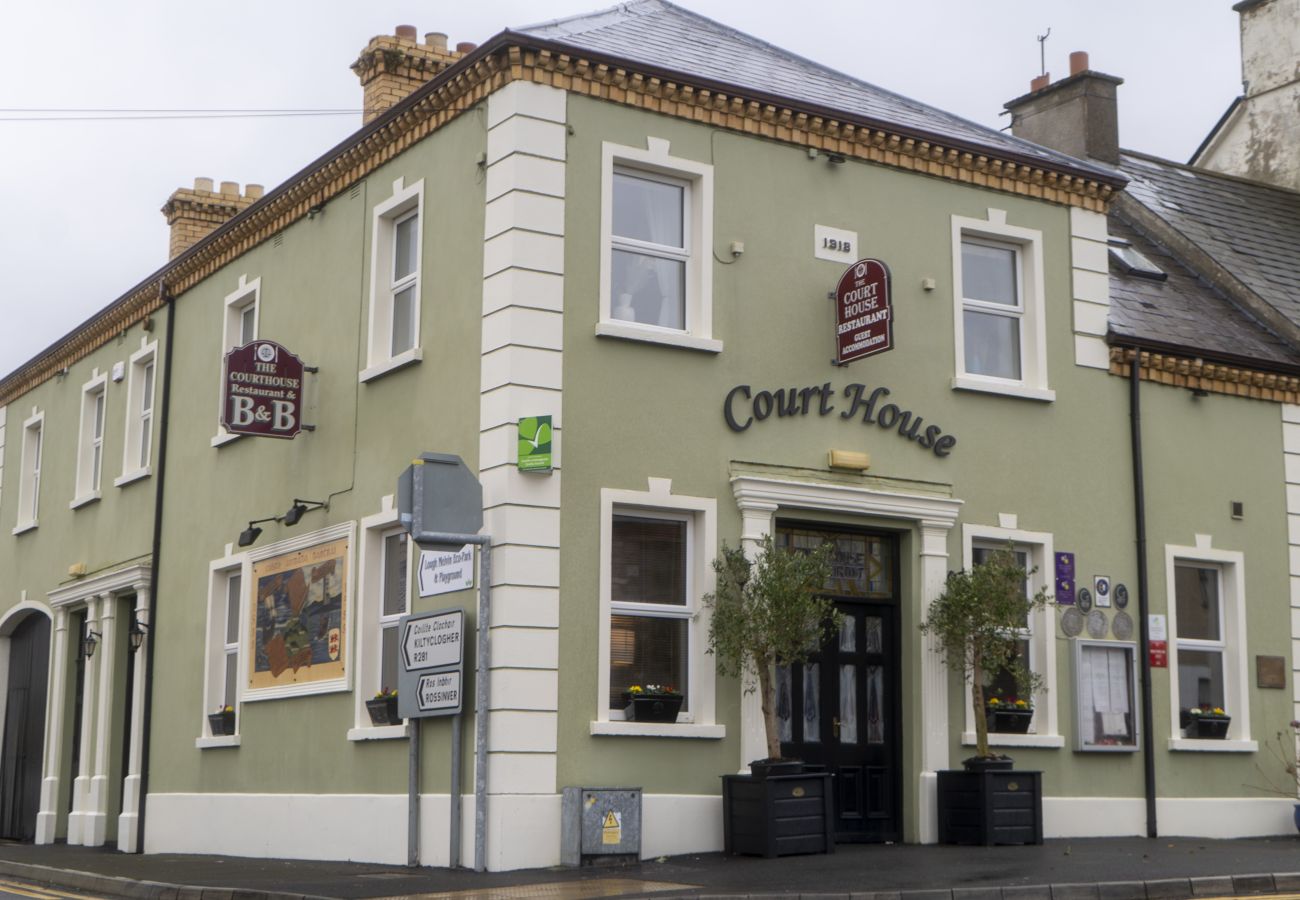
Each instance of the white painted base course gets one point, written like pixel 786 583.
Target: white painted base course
pixel 1210 817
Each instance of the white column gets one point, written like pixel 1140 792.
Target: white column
pixel 129 818
pixel 755 524
pixel 106 662
pixel 47 819
pixel 934 679
pixel 81 804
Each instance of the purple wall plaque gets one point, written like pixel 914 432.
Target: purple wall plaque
pixel 1065 578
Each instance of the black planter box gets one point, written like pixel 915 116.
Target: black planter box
pixel 1009 721
pixel 778 815
pixel 1214 728
pixel 383 711
pixel 221 723
pixel 990 807
pixel 653 707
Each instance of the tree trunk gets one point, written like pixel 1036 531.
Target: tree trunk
pixel 767 696
pixel 977 706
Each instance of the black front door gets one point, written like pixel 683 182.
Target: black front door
pixel 24 728
pixel 842 709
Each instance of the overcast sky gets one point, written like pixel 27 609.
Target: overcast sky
pixel 79 200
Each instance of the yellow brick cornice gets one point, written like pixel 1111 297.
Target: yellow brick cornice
pixel 470 81
pixel 1197 374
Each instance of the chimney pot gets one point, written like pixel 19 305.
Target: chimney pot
pixel 253 191
pixel 465 47
pixel 1040 82
pixel 230 187
pixel 437 40
pixel 203 184
pixel 1078 62
pixel 406 31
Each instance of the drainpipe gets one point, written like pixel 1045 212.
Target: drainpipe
pixel 159 484
pixel 1140 531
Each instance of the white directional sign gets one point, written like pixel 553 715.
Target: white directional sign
pixel 439 693
pixel 434 641
pixel 432 664
pixel 444 571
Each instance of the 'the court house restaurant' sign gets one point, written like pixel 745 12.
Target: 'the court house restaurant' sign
pixel 261 391
pixel 864 322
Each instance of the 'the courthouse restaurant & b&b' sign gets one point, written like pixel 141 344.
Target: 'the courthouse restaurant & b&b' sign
pixel 262 391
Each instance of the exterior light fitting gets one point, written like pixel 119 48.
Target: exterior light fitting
pixel 89 642
pixel 299 507
pixel 136 632
pixel 252 532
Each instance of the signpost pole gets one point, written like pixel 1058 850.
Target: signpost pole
pixel 413 793
pixel 454 856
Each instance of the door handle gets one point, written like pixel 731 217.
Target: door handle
pixel 835 726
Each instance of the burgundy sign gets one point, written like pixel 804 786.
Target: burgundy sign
pixel 864 322
pixel 262 391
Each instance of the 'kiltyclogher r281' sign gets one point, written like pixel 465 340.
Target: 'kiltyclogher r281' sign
pixel 261 391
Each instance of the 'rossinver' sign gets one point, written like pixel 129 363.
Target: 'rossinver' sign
pixel 864 321
pixel 261 391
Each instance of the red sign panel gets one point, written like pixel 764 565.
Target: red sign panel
pixel 864 322
pixel 1158 651
pixel 262 391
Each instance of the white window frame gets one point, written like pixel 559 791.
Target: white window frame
pixel 138 446
pixel 248 295
pixel 370 618
pixel 29 481
pixel 656 162
pixel 702 545
pixel 1040 547
pixel 405 201
pixel 90 439
pixel 217 649
pixel 1232 609
pixel 1028 246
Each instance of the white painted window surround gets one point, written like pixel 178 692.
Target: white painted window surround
pixel 228 581
pixel 240 321
pixel 1025 309
pixel 397 239
pixel 1040 547
pixel 701 515
pixel 684 246
pixel 90 439
pixel 29 481
pixel 1230 565
pixel 141 394
pixel 375 530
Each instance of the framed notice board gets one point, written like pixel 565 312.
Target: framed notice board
pixel 1105 696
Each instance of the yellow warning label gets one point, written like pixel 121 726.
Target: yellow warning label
pixel 611 831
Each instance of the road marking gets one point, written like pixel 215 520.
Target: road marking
pixel 22 889
pixel 589 889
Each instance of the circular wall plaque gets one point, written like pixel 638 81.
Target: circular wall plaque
pixel 1072 622
pixel 1084 599
pixel 1121 596
pixel 1122 625
pixel 1097 624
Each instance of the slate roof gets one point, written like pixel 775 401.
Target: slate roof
pixel 1249 228
pixel 660 35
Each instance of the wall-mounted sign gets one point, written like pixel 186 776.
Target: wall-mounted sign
pixel 1158 641
pixel 433 664
pixel 1101 587
pixel 444 571
pixel 835 244
pixel 261 391
pixel 535 444
pixel 864 322
pixel 742 408
pixel 1065 578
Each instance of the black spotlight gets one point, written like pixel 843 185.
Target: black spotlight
pixel 249 534
pixel 295 512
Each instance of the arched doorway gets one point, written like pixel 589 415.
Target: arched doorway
pixel 23 735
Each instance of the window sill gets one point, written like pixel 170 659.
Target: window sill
pixel 26 526
pixel 225 437
pixel 400 361
pixel 222 740
pixel 1005 388
pixel 1045 741
pixel 83 501
pixel 628 331
pixel 377 733
pixel 128 477
pixel 1196 745
pixel 659 729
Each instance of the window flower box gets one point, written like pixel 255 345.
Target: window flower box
pixel 1205 724
pixel 222 722
pixel 652 704
pixel 383 708
pixel 1008 716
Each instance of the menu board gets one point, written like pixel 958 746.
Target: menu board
pixel 1104 694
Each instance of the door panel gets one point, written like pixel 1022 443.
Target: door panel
pixel 24 729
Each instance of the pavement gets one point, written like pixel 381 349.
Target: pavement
pixel 1081 869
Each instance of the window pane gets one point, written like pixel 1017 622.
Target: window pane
pixel 403 320
pixel 394 574
pixel 646 650
pixel 388 658
pixel 875 704
pixel 649 561
pixel 988 273
pixel 992 344
pixel 1196 591
pixel 232 608
pixel 96 456
pixel 1200 678
pixel 247 316
pixel 1003 684
pixel 812 703
pixel 146 387
pixel 784 705
pixel 648 289
pixel 849 704
pixel 146 437
pixel 99 415
pixel 232 667
pixel 647 210
pixel 404 247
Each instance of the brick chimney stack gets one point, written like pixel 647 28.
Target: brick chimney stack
pixel 1077 115
pixel 195 213
pixel 393 66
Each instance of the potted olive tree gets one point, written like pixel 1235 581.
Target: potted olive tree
pixel 767 612
pixel 976 621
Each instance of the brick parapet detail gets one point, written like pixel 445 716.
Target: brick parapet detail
pixel 194 213
pixel 1199 375
pixel 392 67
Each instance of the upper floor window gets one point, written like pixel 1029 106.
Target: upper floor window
pixel 140 393
pixel 656 253
pixel 29 483
pixel 395 281
pixel 999 320
pixel 241 312
pixel 90 446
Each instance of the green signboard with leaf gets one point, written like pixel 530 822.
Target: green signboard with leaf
pixel 535 444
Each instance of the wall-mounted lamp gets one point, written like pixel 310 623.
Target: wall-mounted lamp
pixel 89 642
pixel 136 632
pixel 295 512
pixel 252 532
pixel 1200 392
